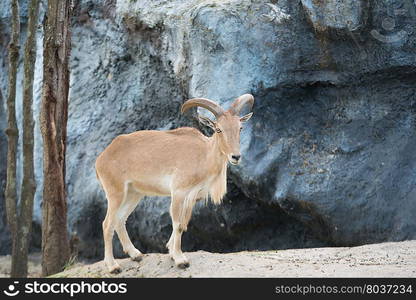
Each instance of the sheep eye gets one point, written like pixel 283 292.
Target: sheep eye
pixel 218 130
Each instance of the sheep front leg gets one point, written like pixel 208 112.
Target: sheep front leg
pixel 180 211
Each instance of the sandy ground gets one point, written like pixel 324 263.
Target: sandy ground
pixel 35 269
pixel 376 260
pixel 34 265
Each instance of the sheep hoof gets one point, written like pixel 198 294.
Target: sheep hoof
pixel 115 270
pixel 137 258
pixel 135 255
pixel 183 265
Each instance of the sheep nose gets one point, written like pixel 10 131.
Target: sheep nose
pixel 236 157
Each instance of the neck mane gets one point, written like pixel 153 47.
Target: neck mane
pixel 218 165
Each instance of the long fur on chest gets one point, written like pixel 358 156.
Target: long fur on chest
pixel 216 190
pixel 218 186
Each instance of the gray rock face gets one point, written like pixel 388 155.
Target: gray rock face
pixel 336 14
pixel 327 156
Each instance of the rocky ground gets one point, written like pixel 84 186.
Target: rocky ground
pixel 396 259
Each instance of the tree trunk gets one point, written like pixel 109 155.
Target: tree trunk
pixel 53 121
pixel 12 131
pixel 19 259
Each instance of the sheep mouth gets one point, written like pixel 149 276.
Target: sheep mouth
pixel 234 161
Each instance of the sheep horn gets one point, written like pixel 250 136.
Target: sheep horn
pixel 240 102
pixel 205 103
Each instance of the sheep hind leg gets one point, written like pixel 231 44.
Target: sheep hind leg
pixel 108 232
pixel 130 201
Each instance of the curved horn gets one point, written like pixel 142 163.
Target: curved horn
pixel 205 103
pixel 240 102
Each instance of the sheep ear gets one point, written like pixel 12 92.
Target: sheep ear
pixel 246 117
pixel 206 121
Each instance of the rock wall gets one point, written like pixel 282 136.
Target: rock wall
pixel 327 156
